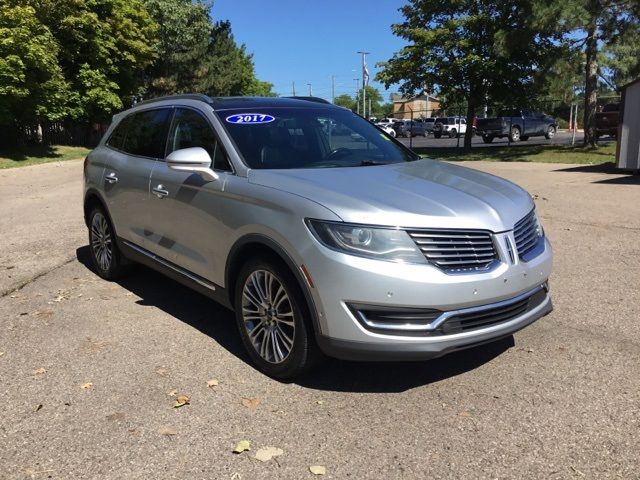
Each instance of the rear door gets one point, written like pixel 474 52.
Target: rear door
pixel 186 209
pixel 135 145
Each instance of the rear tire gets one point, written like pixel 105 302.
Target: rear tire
pixel 487 138
pixel 274 320
pixel 437 135
pixel 453 133
pixel 105 254
pixel 525 138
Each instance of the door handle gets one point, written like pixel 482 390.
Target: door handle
pixel 111 178
pixel 160 191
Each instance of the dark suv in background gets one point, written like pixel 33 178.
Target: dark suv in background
pixel 410 128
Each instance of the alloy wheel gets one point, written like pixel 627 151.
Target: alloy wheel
pixel 101 241
pixel 268 316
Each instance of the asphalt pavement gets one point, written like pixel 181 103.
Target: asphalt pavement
pixel 90 370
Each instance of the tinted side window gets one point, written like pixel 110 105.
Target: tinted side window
pixel 190 129
pixel 145 133
pixel 119 133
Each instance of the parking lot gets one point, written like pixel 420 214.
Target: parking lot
pixel 561 138
pixel 90 370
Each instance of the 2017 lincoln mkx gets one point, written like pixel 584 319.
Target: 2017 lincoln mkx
pixel 323 234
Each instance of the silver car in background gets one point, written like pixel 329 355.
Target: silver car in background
pixel 322 233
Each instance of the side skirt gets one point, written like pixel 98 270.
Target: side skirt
pixel 201 285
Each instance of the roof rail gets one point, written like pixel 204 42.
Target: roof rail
pixel 185 96
pixel 310 99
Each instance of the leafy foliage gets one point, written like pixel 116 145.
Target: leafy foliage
pixel 32 84
pixel 84 60
pixel 475 51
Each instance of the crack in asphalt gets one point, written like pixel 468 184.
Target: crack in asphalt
pixel 24 283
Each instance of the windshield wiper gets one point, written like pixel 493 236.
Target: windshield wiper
pixel 368 163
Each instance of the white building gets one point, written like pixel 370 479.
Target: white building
pixel 628 148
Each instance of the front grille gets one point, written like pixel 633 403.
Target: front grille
pixel 526 234
pixel 427 322
pixel 456 250
pixel 485 318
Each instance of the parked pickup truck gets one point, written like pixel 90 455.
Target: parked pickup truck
pixel 517 125
pixel 607 120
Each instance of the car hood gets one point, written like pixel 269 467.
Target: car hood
pixel 419 194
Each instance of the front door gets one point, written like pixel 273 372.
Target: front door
pixel 186 209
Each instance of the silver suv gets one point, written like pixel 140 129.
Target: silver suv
pixel 322 233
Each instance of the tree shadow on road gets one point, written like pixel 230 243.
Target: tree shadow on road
pixel 218 323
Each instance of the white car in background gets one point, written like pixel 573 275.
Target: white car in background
pixel 386 127
pixel 449 126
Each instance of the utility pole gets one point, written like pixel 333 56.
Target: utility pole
pixel 293 88
pixel 310 91
pixel 357 80
pixel 333 89
pixel 369 106
pixel 365 82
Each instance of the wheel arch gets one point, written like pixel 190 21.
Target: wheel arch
pixel 253 245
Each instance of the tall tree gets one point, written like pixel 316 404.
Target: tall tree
pixel 197 55
pixel 479 51
pixel 104 47
pixel 32 84
pixel 345 101
pixel 592 26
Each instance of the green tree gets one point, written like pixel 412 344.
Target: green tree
pixel 593 27
pixel 475 51
pixel 371 96
pixel 345 101
pixel 104 47
pixel 197 55
pixel 32 84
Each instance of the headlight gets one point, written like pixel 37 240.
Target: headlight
pixel 364 241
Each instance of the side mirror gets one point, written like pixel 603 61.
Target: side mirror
pixel 195 160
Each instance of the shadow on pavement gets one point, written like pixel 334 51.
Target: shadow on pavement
pixel 622 177
pixel 215 321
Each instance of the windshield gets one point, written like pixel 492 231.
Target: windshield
pixel 283 138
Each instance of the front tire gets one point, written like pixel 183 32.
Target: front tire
pixel 551 132
pixel 105 255
pixel 453 133
pixel 437 135
pixel 487 138
pixel 514 135
pixel 273 319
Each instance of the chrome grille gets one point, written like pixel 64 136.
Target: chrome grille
pixel 526 233
pixel 456 250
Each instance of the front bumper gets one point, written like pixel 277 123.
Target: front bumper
pixel 342 280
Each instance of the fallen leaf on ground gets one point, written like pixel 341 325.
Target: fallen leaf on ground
pixel 464 413
pixel 181 401
pixel 1 354
pixel 37 408
pixel 317 469
pixel 168 431
pixel 172 393
pixel 212 383
pixel 320 402
pixel 86 386
pixel 267 453
pixel 40 371
pixel 22 314
pixel 242 446
pixel 251 403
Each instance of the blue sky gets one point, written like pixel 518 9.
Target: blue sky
pixel 307 41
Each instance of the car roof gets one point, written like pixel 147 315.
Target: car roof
pixel 232 103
